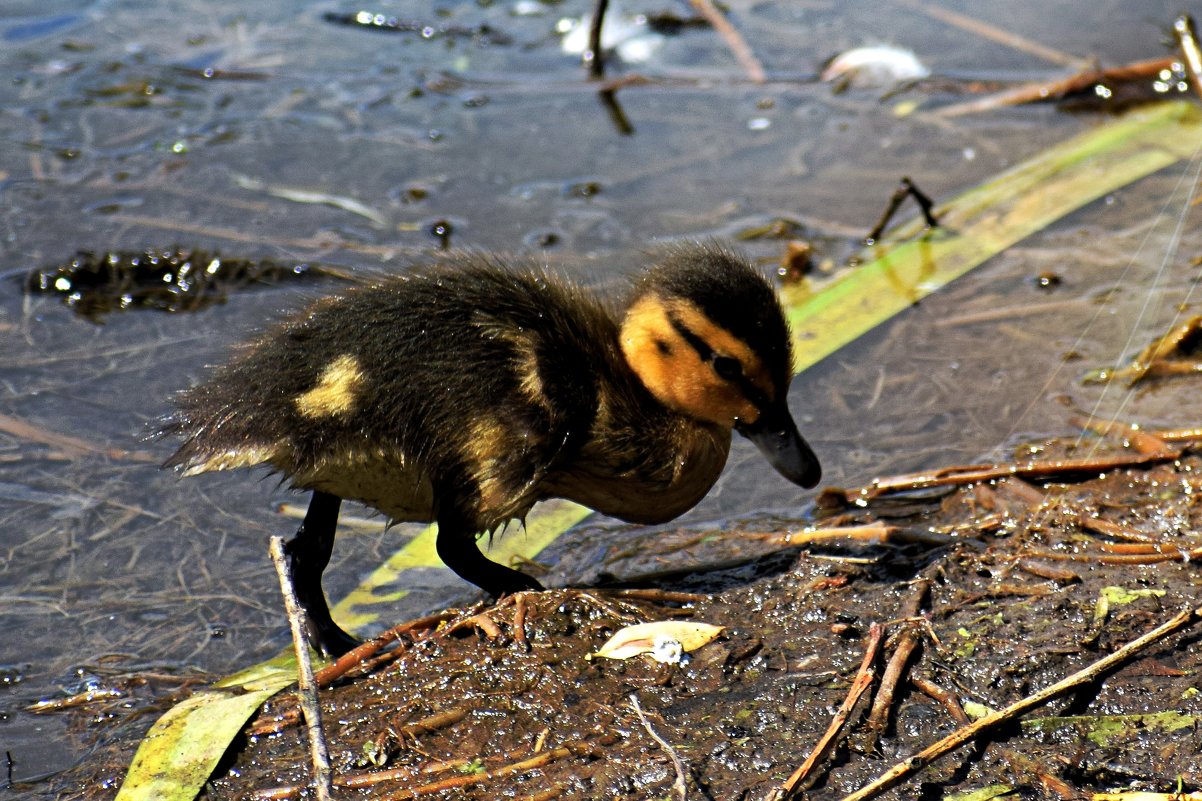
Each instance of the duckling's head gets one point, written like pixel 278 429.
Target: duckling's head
pixel 706 336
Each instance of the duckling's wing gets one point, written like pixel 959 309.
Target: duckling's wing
pixel 473 380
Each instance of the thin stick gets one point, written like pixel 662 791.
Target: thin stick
pixel 519 622
pixel 1040 91
pixel 863 679
pixel 361 653
pixel 734 40
pixel 907 642
pixel 993 33
pixel 594 57
pixel 904 190
pixel 1187 39
pixel 680 787
pixel 972 474
pixel 993 720
pixel 1146 442
pixel 943 697
pixel 306 685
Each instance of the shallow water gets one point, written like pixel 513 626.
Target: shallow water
pixel 112 137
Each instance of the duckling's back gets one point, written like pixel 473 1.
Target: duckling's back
pixel 472 379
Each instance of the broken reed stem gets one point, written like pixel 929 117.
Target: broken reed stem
pixel 306 684
pixel 680 786
pixel 913 764
pixel 863 680
pixel 734 40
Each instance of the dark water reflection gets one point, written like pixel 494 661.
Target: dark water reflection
pixel 111 137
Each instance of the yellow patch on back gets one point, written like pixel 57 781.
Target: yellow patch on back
pixel 336 391
pixel 525 345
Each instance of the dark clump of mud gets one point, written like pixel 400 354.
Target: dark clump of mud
pixel 170 280
pixel 1002 588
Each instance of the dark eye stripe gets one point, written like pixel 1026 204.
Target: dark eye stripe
pixel 749 390
pixel 698 344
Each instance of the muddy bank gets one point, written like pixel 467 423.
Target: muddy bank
pixel 1016 584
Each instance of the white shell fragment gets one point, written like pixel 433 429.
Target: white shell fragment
pixel 876 65
pixel 665 641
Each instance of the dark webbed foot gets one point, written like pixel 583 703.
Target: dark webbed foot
pixel 457 549
pixel 309 552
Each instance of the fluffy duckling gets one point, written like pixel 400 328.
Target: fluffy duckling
pixel 467 392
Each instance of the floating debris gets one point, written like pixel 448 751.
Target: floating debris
pixel 874 66
pixel 630 36
pixel 386 23
pixel 171 280
pixel 1178 352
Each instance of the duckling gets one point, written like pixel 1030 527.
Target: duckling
pixel 465 393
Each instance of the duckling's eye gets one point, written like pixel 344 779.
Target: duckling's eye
pixel 727 367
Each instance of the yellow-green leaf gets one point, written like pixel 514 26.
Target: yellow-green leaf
pixel 178 754
pixel 910 264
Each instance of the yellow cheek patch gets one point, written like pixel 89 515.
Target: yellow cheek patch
pixel 336 390
pixel 673 371
pixel 722 341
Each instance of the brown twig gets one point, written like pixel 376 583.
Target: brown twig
pixel 1049 572
pixel 734 40
pixel 1162 553
pixel 863 679
pixel 1099 526
pixel 351 659
pixel 911 765
pixel 971 474
pixel 680 786
pixel 452 782
pixel 906 643
pixel 1054 90
pixel 519 622
pixel 319 752
pixel 905 189
pixel 1146 442
pixel 660 596
pixel 941 696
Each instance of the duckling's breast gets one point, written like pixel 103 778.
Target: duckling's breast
pixel 668 475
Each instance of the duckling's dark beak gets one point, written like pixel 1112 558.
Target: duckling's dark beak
pixel 775 434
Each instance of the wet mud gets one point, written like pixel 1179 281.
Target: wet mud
pixel 999 588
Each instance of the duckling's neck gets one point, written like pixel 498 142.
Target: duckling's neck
pixel 643 462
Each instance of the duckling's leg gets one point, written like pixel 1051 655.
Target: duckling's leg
pixel 458 549
pixel 310 552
